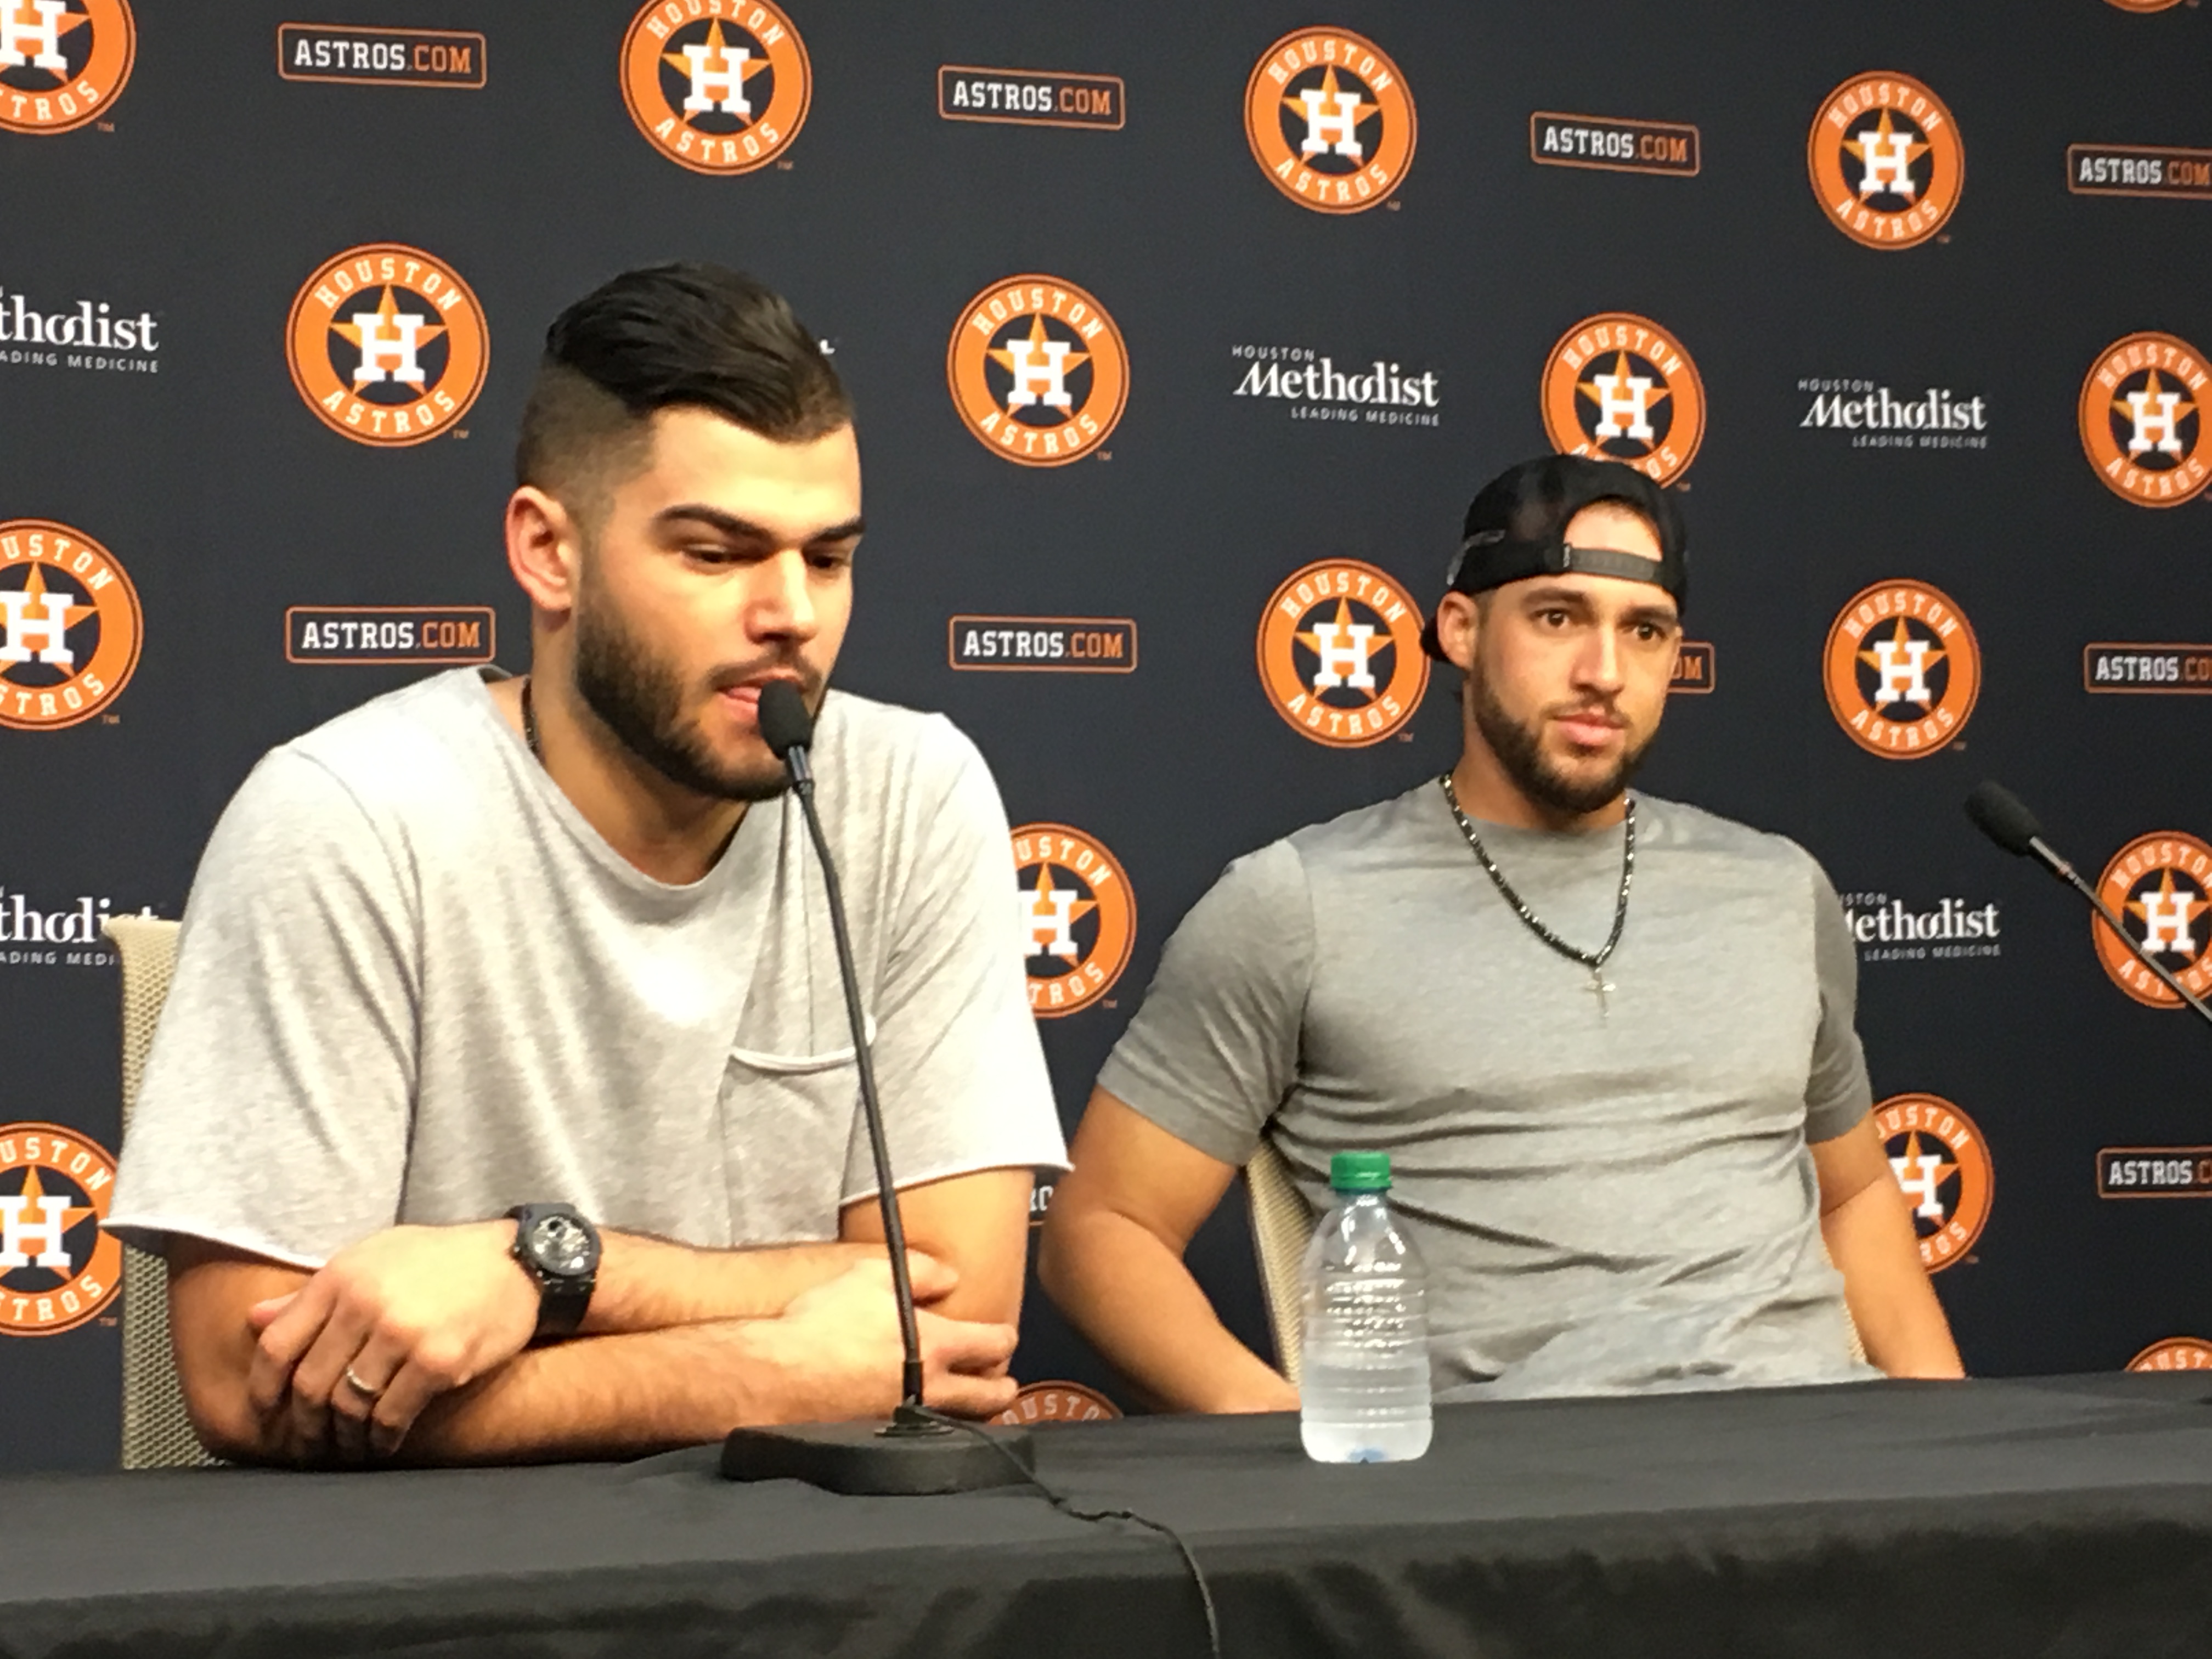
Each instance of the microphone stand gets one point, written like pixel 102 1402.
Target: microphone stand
pixel 915 1453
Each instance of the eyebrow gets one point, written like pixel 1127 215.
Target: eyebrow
pixel 745 529
pixel 1579 601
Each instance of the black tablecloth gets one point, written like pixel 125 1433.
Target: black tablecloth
pixel 2064 1517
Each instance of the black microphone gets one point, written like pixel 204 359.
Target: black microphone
pixel 2004 818
pixel 915 1452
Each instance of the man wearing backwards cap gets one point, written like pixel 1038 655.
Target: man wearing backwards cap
pixel 1605 1039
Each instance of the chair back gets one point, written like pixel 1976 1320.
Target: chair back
pixel 157 1434
pixel 1282 1226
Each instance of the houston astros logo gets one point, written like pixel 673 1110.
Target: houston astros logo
pixel 61 61
pixel 1079 918
pixel 1621 388
pixel 70 626
pixel 1058 1402
pixel 2160 888
pixel 1902 669
pixel 2143 6
pixel 388 344
pixel 2142 420
pixel 2176 1353
pixel 717 86
pixel 1886 160
pixel 1037 370
pixel 1340 654
pixel 1330 120
pixel 57 1268
pixel 1943 1165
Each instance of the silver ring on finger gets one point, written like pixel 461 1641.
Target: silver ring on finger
pixel 361 1387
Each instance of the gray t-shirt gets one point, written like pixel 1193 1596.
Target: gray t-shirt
pixel 1605 1200
pixel 414 985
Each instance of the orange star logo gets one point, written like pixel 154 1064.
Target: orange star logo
pixel 1338 645
pixel 2154 389
pixel 1619 390
pixel 1032 359
pixel 1923 1174
pixel 1330 92
pixel 1877 147
pixel 34 1190
pixel 718 64
pixel 2168 917
pixel 16 15
pixel 72 614
pixel 1894 657
pixel 367 340
pixel 1047 917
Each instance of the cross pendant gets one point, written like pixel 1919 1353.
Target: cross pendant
pixel 1598 987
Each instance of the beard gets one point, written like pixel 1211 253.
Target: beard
pixel 1520 751
pixel 640 696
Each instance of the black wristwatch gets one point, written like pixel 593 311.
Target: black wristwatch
pixel 560 1250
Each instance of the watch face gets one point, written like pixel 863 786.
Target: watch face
pixel 561 1246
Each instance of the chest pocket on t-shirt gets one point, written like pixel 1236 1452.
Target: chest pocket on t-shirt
pixel 789 1123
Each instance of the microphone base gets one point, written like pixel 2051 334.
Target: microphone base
pixel 879 1458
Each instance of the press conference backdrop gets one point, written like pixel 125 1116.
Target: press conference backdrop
pixel 1180 339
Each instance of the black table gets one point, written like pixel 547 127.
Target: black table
pixel 2065 1518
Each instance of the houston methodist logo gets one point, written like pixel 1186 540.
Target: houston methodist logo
pixel 2160 888
pixel 1886 160
pixel 1902 669
pixel 1340 654
pixel 1943 1165
pixel 1079 918
pixel 2143 423
pixel 57 1268
pixel 388 344
pixel 70 626
pixel 1330 120
pixel 1621 388
pixel 59 65
pixel 1037 370
pixel 717 86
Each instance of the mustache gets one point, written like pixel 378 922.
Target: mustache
pixel 1603 709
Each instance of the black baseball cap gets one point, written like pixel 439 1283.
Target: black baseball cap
pixel 1516 527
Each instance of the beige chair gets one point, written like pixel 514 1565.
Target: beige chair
pixel 156 1432
pixel 1281 1227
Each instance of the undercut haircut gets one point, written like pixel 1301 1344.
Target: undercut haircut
pixel 676 335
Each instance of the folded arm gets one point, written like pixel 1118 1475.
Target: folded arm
pixel 680 1344
pixel 1112 1258
pixel 1870 1237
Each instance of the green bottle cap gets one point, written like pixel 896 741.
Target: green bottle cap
pixel 1359 1172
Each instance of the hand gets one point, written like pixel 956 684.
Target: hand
pixel 412 1312
pixel 838 1348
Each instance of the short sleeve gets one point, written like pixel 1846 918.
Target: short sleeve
pixel 1214 1049
pixel 275 1111
pixel 957 1054
pixel 1836 1092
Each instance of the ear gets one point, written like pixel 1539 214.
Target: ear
pixel 1459 622
pixel 544 547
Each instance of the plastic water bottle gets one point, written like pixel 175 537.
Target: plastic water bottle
pixel 1364 1369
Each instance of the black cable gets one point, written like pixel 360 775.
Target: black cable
pixel 1067 1506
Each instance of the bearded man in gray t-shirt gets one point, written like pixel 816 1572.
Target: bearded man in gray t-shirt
pixel 523 993
pixel 1606 1040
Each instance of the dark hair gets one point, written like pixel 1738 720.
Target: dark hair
pixel 681 335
